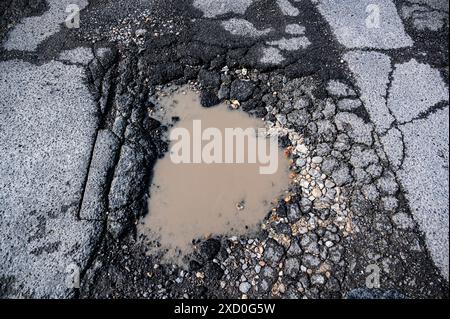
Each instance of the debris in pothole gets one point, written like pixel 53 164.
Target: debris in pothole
pixel 362 133
pixel 221 165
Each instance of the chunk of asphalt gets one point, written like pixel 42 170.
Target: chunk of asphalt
pixel 103 160
pixel 209 249
pixel 339 89
pixel 241 90
pixel 393 147
pixel 209 98
pixel 271 56
pixel 273 252
pixel 359 131
pixel 366 293
pixel 209 78
pixel 295 29
pixel 371 70
pixel 348 104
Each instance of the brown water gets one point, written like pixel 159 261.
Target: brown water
pixel 193 201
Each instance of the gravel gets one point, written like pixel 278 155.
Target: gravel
pixel 244 287
pixel 273 252
pixel 291 267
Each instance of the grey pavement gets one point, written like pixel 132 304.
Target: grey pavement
pixel 372 70
pixel 395 95
pixel 58 159
pixel 365 23
pixel 32 31
pixel 214 8
pixel 47 136
pixel 415 88
pixel 424 175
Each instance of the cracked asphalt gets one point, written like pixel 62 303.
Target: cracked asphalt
pixel 357 91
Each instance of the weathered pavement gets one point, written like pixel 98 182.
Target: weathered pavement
pixel 361 86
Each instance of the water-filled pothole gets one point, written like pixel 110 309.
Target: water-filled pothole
pixel 191 201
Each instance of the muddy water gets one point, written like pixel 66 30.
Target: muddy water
pixel 192 201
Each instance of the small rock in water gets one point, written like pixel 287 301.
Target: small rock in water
pixel 209 98
pixel 241 90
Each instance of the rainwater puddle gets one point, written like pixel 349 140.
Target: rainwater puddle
pixel 198 199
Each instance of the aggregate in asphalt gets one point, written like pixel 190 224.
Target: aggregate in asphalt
pixel 361 109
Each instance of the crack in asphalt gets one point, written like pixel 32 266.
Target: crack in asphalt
pixel 425 114
pixel 116 81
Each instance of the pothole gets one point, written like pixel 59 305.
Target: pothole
pixel 217 193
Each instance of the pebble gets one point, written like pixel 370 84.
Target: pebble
pixel 294 248
pixel 257 268
pixel 281 288
pixel 140 32
pixel 317 159
pixel 294 212
pixel 310 261
pixel 244 287
pixel 301 148
pixel 300 162
pixel 291 267
pixel 304 183
pixel 314 173
pixel 316 192
pixel 200 275
pixel 281 118
pixel 317 279
pixel 329 184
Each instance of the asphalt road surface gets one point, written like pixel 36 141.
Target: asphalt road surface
pixel 357 89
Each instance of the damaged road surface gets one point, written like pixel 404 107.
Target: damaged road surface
pixel 355 91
